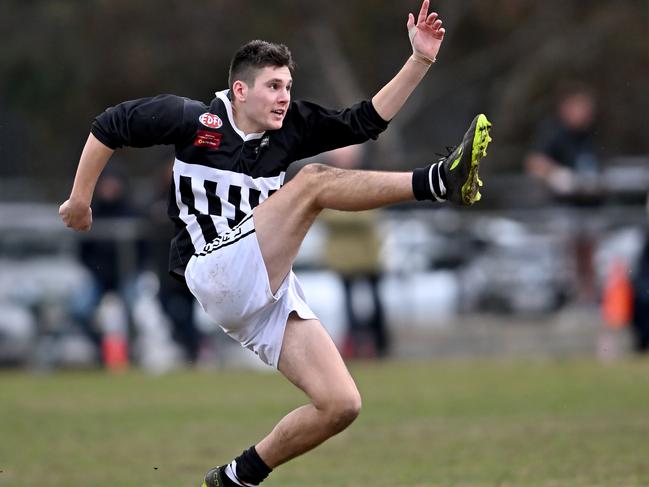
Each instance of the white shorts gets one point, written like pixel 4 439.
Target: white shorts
pixel 229 279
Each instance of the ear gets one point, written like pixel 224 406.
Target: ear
pixel 239 91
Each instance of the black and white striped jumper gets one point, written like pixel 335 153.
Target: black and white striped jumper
pixel 220 174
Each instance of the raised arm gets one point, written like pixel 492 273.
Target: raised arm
pixel 426 36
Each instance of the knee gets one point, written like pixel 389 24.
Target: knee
pixel 311 176
pixel 341 410
pixel 315 171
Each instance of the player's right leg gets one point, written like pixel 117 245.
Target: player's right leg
pixel 458 170
pixel 282 221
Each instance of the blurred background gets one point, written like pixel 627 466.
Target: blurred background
pixel 552 262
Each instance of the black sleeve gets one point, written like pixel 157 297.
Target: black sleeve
pixel 144 122
pixel 320 129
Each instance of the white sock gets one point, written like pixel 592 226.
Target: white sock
pixel 436 183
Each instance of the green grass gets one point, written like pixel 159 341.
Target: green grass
pixel 461 424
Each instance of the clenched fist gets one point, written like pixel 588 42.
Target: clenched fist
pixel 76 215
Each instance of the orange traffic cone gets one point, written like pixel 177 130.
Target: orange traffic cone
pixel 115 352
pixel 617 298
pixel 113 319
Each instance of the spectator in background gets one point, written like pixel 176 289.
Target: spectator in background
pixel 103 256
pixel 641 298
pixel 175 298
pixel 563 157
pixel 352 251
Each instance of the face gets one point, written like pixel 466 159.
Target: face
pixel 578 111
pixel 110 188
pixel 263 105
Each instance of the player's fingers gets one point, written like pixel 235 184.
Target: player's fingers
pixel 411 21
pixel 431 18
pixel 423 11
pixel 87 220
pixel 82 225
pixel 437 25
pixel 88 223
pixel 440 33
pixel 65 217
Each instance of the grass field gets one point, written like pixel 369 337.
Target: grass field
pixel 445 424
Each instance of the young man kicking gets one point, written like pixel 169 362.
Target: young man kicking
pixel 239 228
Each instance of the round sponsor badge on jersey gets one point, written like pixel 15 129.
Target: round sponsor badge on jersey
pixel 210 120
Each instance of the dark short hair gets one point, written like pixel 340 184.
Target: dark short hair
pixel 255 55
pixel 568 89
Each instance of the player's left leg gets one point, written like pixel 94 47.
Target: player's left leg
pixel 310 360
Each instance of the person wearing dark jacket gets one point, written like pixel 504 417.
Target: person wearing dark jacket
pixel 640 320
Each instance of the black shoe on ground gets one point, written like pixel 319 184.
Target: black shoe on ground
pixel 214 478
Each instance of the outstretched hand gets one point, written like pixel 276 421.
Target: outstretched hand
pixel 76 215
pixel 426 35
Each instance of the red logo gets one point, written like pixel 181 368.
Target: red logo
pixel 205 138
pixel 210 120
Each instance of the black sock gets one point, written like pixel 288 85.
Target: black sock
pixel 226 480
pixel 429 183
pixel 249 468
